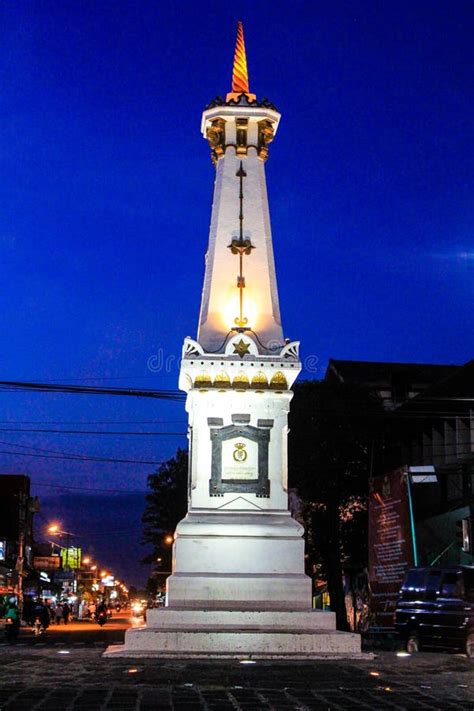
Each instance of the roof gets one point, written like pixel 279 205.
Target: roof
pixel 382 373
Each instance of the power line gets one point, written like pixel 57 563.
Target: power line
pixel 83 459
pixel 89 488
pixel 94 432
pixel 93 422
pixel 20 386
pixel 69 455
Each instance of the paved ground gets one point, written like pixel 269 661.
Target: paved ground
pixel 64 671
pixel 55 676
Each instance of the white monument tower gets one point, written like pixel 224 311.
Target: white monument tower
pixel 238 586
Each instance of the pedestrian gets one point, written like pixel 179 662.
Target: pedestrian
pixel 12 625
pixel 37 626
pixel 58 613
pixel 92 609
pixel 66 612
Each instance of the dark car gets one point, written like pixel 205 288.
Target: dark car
pixel 436 609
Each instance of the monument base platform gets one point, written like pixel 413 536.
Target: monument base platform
pixel 239 634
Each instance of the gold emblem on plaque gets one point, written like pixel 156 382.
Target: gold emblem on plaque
pixel 240 453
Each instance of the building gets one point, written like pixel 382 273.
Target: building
pixel 393 383
pixel 17 509
pixel 431 424
pixel 421 489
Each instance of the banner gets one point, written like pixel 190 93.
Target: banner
pixel 390 544
pixel 46 562
pixel 71 557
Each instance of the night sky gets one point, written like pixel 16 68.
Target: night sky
pixel 105 197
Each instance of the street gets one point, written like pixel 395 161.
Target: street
pixel 64 670
pixel 78 633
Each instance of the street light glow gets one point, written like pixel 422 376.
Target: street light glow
pixel 168 539
pixel 86 561
pixel 53 528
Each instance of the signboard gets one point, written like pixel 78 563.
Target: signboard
pixel 390 544
pixel 3 549
pixel 71 557
pixel 239 459
pixel 47 562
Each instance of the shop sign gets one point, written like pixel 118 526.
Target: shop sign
pixel 71 557
pixel 390 544
pixel 46 562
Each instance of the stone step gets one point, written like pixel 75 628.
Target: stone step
pixel 184 618
pixel 238 644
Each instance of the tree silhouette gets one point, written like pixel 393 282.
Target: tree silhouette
pixel 166 505
pixel 332 430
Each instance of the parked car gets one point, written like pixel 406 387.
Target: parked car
pixel 436 609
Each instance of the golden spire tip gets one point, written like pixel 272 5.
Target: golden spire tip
pixel 240 77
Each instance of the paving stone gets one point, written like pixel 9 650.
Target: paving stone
pixel 216 686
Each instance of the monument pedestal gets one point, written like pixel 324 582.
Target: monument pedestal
pixel 238 634
pixel 252 601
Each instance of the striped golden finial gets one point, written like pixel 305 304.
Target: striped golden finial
pixel 240 77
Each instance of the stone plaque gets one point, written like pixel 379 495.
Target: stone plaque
pixel 240 459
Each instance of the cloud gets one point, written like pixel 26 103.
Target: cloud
pixel 458 255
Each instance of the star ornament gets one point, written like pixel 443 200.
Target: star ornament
pixel 241 348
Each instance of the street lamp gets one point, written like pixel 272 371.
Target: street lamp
pixel 169 539
pixel 55 529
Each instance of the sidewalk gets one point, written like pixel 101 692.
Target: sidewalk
pixel 74 679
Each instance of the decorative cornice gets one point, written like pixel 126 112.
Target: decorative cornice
pixel 242 100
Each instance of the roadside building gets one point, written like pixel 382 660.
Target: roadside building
pixel 421 501
pixel 17 509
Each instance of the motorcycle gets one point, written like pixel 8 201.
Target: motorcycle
pixel 101 618
pixel 12 629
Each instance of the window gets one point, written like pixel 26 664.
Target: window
pixel 414 584
pixel 433 582
pixel 241 137
pixel 469 585
pixel 452 585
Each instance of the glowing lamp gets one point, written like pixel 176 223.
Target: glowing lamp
pixel 231 310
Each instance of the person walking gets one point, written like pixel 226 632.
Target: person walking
pixel 58 613
pixel 66 613
pixel 12 616
pixel 92 609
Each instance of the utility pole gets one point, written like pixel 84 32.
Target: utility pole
pixel 19 565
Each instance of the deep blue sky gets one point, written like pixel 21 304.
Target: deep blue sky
pixel 106 189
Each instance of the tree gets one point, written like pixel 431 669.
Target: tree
pixel 332 429
pixel 166 505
